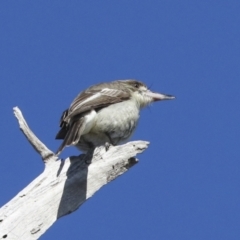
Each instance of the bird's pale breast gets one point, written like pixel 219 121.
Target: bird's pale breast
pixel 117 121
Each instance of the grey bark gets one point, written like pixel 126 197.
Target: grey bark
pixel 63 186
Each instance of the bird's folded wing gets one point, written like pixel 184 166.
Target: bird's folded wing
pixel 88 100
pixel 72 136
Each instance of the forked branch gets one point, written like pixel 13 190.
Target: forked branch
pixel 63 186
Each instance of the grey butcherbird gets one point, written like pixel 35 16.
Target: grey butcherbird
pixel 106 113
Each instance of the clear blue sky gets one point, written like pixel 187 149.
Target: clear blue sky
pixel 187 184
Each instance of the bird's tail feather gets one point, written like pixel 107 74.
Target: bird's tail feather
pixel 73 135
pixel 64 128
pixel 62 133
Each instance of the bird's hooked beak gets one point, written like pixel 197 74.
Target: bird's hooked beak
pixel 158 96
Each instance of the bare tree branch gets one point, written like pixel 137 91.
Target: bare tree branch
pixel 41 148
pixel 63 186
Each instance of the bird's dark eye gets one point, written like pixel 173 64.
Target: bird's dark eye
pixel 136 85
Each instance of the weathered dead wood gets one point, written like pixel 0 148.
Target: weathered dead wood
pixel 63 186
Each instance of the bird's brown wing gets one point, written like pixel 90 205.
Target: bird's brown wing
pixel 95 99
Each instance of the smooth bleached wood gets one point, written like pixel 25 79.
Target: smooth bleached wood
pixel 63 186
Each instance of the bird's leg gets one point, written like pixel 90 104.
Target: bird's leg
pixel 108 144
pixel 88 156
pixel 89 153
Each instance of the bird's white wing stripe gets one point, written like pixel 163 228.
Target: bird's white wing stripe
pixel 94 96
pixel 105 91
pixel 110 92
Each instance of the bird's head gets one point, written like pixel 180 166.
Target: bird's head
pixel 143 95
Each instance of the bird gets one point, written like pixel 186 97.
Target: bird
pixel 105 114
